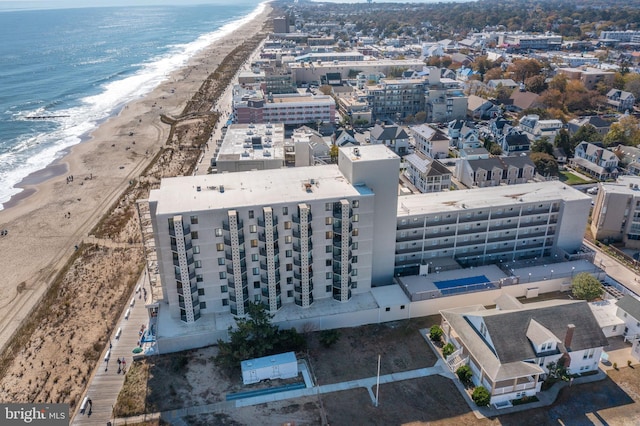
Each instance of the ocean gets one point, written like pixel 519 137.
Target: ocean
pixel 75 67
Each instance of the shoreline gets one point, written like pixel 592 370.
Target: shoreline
pixel 29 182
pixel 51 215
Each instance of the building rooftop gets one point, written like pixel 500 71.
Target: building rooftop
pixel 258 187
pixel 244 142
pixel 441 202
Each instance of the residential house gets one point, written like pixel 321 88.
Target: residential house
pixel 474 153
pixel 481 109
pixel 430 141
pixel 499 126
pixel 629 312
pixel 307 148
pixel 494 171
pixel 520 101
pixel 464 135
pixel 426 174
pixel 629 157
pixel 514 142
pixel 601 126
pixel 536 129
pixel 344 137
pixel 502 82
pixel 560 155
pixel 393 137
pixel 619 99
pixel 595 160
pixel 509 348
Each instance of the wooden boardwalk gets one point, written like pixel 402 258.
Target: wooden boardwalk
pixel 105 385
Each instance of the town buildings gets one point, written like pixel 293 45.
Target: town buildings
pixel 289 109
pixel 616 212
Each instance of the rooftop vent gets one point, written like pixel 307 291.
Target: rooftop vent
pixel 221 189
pixel 267 154
pixel 245 154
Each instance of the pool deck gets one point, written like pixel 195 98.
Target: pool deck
pixel 426 283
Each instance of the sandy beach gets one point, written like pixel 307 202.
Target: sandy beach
pixel 60 205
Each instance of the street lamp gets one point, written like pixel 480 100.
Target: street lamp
pixel 551 273
pixel 573 268
pixel 529 276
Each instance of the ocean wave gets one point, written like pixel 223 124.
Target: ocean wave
pixel 35 152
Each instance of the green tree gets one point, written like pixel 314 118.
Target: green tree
pixel 254 337
pixel 448 349
pixel 563 140
pixel 545 164
pixel 586 287
pixel 464 373
pixel 481 396
pixel 542 145
pixel 435 333
pixel 586 133
pixel 495 149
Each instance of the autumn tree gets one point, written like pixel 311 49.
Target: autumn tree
pixel 626 132
pixel 545 164
pixel 521 69
pixel 632 84
pixel 535 84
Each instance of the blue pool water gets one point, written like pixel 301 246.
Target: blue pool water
pixel 462 285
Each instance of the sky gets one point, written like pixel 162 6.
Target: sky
pixel 59 4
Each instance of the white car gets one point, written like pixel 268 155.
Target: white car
pixel 592 191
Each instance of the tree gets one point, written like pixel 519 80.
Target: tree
pixel 522 69
pixel 333 153
pixel 545 164
pixel 481 396
pixel 448 349
pixel 563 140
pixel 586 133
pixel 435 333
pixel 255 337
pixel 626 132
pixel 495 149
pixel 586 287
pixel 535 84
pixel 464 373
pixel 542 145
pixel 632 84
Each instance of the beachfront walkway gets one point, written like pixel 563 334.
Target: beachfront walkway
pixel 105 383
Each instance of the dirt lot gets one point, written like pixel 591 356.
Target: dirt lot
pixel 355 355
pixel 191 378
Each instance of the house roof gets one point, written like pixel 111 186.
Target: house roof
pixel 516 139
pixel 429 133
pixel 475 102
pixel 630 305
pixel 475 151
pixel 385 133
pixel 427 165
pixel 500 163
pixel 507 330
pixel 523 100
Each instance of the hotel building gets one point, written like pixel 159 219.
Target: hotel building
pixel 319 246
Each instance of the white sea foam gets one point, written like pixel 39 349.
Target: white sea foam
pixel 34 153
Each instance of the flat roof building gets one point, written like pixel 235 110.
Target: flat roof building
pixel 251 147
